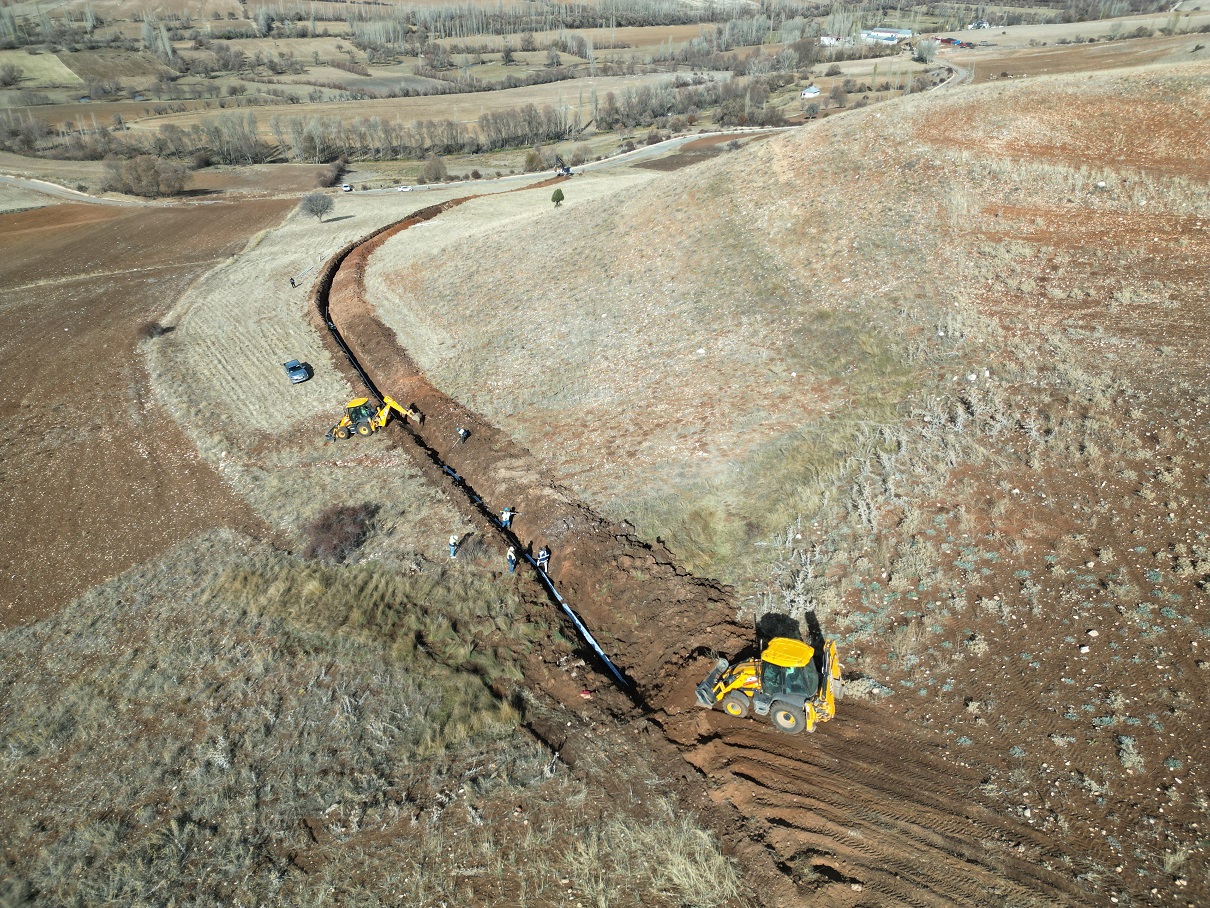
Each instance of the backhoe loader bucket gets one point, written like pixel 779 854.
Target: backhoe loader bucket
pixel 705 690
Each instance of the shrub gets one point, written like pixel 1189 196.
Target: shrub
pixel 332 174
pixel 534 161
pixel 338 531
pixel 145 175
pixel 434 169
pixel 152 330
pixel 832 70
pixel 316 204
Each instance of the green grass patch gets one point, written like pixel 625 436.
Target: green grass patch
pixel 39 70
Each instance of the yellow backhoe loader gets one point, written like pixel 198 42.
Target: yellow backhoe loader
pixel 792 683
pixel 361 417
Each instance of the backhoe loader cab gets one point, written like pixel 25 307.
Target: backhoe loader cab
pixel 791 683
pixel 361 417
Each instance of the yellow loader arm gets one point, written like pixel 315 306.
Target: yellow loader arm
pixel 389 403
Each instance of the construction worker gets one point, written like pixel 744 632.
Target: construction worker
pixel 543 559
pixel 292 284
pixel 512 559
pixel 453 545
pixel 506 517
pixel 463 435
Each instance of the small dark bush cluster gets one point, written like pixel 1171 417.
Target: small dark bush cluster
pixel 332 174
pixel 145 175
pixel 338 531
pixel 153 329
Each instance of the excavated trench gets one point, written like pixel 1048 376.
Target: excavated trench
pixel 869 811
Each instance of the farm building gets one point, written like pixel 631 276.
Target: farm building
pixel 886 35
pixel 811 91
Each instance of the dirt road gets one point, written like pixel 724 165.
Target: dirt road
pixel 868 811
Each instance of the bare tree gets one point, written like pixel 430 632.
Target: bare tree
pixel 925 50
pixel 433 170
pixel 316 204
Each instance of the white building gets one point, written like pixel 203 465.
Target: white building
pixel 897 34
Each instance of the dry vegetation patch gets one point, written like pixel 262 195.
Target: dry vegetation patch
pixel 984 473
pixel 307 734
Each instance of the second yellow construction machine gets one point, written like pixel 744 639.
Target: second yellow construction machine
pixel 794 684
pixel 362 417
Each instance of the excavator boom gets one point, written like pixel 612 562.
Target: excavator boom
pixel 362 418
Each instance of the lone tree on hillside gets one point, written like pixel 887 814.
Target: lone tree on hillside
pixel 557 198
pixel 317 204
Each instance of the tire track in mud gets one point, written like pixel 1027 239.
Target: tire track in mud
pixel 869 811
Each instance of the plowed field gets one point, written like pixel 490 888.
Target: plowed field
pixel 95 478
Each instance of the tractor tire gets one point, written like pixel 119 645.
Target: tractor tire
pixel 341 432
pixel 790 719
pixel 737 705
pixel 364 428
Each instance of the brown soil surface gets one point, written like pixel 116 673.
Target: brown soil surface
pixel 872 810
pixel 96 478
pixel 697 151
pixel 262 179
pixel 990 63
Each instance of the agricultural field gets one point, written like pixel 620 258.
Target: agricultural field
pixel 928 375
pixel 39 70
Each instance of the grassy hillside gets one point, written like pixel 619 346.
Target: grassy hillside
pixel 230 725
pixel 933 374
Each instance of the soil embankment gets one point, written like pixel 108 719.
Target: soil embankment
pixel 869 811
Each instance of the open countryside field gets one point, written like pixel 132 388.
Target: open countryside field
pixel 574 96
pixel 940 390
pixel 961 582
pixel 989 64
pixel 83 281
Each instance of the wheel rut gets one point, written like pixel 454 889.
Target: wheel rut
pixel 869 811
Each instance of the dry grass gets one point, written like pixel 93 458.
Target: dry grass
pixel 574 95
pixel 219 374
pixel 302 733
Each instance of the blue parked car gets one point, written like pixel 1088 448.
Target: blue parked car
pixel 298 372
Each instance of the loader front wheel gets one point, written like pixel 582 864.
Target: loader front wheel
pixel 736 705
pixel 341 432
pixel 790 719
pixel 364 428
